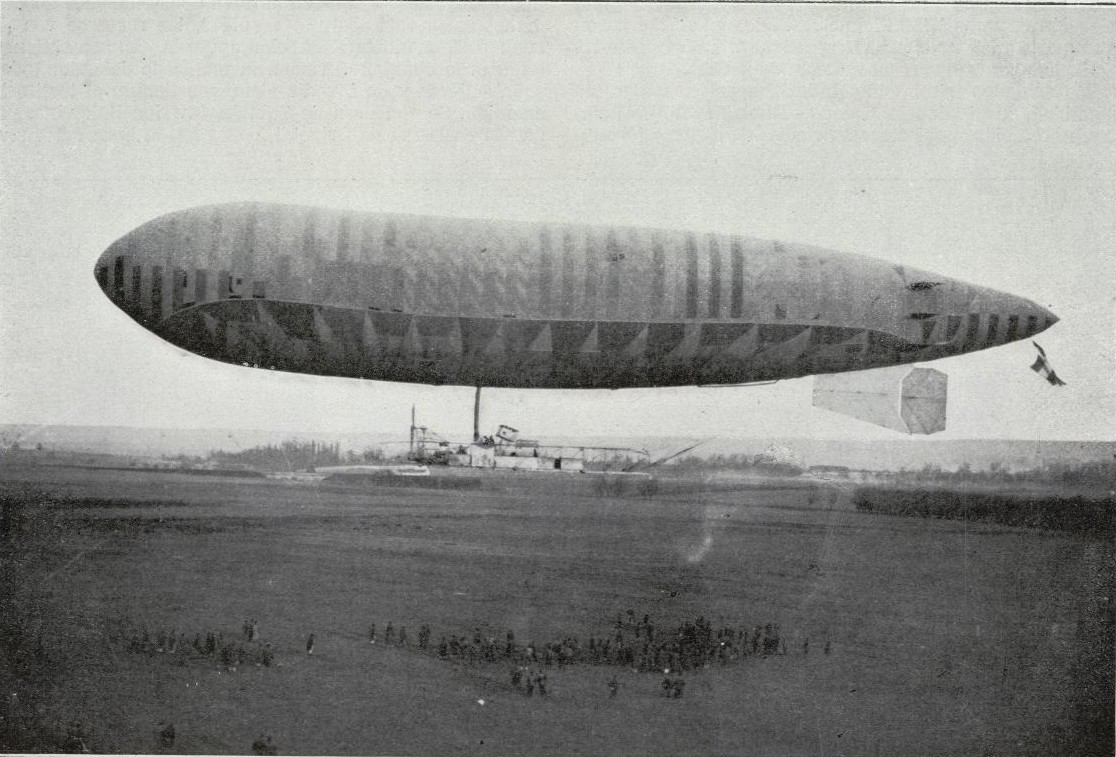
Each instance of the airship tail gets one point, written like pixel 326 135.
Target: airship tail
pixel 901 398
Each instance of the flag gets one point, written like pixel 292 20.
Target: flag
pixel 1043 368
pixel 507 433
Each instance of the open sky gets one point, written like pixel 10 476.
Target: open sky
pixel 976 142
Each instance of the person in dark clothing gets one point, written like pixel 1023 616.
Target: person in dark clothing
pixel 76 739
pixel 166 735
pixel 264 746
pixel 310 644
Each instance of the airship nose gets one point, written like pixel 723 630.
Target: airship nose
pixel 161 268
pixel 987 317
pixel 126 278
pixel 110 272
pixel 1034 318
pixel 1047 317
pixel 1020 318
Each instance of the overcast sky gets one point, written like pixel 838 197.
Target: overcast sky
pixel 976 142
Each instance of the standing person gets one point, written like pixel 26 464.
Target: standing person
pixel 166 735
pixel 254 630
pixel 389 633
pixel 76 738
pixel 372 634
pixel 310 644
pixel 613 687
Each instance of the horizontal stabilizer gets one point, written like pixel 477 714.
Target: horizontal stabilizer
pixel 905 399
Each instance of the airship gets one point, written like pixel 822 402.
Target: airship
pixel 485 303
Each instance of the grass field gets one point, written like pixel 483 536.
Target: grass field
pixel 945 638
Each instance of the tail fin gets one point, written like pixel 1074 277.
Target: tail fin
pixel 905 399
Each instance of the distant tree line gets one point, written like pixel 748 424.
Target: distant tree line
pixel 1097 474
pixel 1082 515
pixel 295 455
pixel 762 463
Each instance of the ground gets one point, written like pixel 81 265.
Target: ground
pixel 945 638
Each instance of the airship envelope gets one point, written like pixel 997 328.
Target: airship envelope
pixel 474 302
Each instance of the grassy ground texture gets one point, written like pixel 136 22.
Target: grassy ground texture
pixel 945 637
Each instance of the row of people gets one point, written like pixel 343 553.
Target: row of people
pixel 637 644
pixel 213 645
pixel 527 680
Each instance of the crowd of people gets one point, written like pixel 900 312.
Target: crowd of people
pixel 632 642
pixel 212 645
pixel 527 680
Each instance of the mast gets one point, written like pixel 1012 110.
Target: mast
pixel 476 415
pixel 411 445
